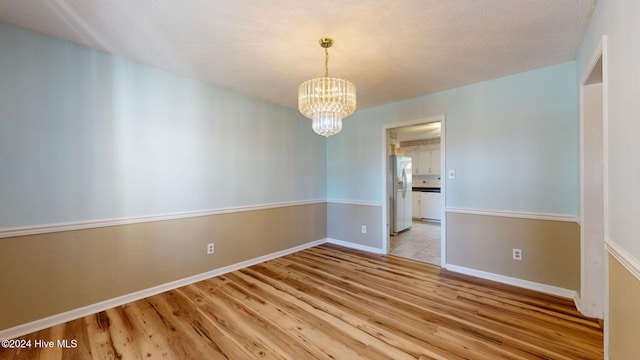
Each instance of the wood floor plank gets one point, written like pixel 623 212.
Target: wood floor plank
pixel 193 330
pixel 329 305
pixel 330 322
pixel 330 302
pixel 522 340
pixel 401 315
pixel 100 343
pixel 286 312
pixel 247 329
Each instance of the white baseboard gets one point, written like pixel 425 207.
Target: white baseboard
pixel 553 290
pixel 578 302
pixel 50 321
pixel 587 310
pixel 356 246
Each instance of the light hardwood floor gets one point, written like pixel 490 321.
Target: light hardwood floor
pixel 329 302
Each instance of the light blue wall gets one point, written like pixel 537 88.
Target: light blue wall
pixel 513 142
pixel 86 136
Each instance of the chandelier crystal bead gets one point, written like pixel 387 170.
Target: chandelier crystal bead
pixel 326 100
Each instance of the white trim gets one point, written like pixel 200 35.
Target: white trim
pixel 595 56
pixel 627 260
pixel 351 245
pixel 355 202
pixel 605 183
pixel 549 289
pixel 514 214
pixel 605 133
pixel 578 302
pixel 384 187
pixel 592 271
pixel 124 299
pixel 606 303
pixel 443 191
pixel 80 225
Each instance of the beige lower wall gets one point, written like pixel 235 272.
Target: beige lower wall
pixel 344 222
pixel 624 312
pixel 551 249
pixel 46 274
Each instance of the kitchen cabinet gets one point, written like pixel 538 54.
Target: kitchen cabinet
pixel 413 154
pixel 415 205
pixel 431 205
pixel 425 162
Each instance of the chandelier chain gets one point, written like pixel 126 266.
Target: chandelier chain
pixel 326 62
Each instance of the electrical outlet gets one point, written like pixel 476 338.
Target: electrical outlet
pixel 210 249
pixel 517 254
pixel 364 229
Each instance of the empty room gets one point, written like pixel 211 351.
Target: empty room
pixel 319 179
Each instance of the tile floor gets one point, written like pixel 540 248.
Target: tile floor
pixel 421 242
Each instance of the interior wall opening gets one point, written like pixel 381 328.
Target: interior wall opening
pixel 415 200
pixel 592 175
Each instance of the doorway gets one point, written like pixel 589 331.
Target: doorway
pixel 421 141
pixel 593 178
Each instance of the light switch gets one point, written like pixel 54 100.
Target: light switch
pixel 452 174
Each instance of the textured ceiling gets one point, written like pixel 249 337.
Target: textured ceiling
pixel 390 49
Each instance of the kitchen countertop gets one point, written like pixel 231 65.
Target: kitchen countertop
pixel 425 189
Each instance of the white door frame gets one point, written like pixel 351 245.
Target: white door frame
pixel 585 297
pixel 385 170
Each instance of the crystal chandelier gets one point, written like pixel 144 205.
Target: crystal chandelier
pixel 326 100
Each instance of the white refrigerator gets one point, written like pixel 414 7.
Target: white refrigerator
pixel 400 187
